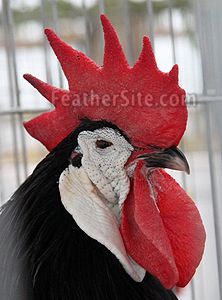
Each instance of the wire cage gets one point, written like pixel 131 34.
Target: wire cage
pixel 187 32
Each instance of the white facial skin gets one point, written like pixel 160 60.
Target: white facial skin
pixel 105 167
pixel 93 194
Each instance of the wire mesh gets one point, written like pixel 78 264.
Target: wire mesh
pixel 161 20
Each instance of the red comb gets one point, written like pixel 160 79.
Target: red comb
pixel 143 101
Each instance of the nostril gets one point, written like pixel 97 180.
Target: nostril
pixel 138 148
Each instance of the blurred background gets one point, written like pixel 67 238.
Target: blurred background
pixel 187 32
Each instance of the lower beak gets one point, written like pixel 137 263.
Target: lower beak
pixel 171 158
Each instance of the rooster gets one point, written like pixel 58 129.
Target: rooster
pixel 99 218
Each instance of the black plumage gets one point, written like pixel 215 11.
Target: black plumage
pixel 45 255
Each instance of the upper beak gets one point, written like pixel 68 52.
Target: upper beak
pixel 171 158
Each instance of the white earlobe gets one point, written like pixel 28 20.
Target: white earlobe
pixel 79 197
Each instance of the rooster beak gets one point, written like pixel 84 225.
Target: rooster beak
pixel 171 158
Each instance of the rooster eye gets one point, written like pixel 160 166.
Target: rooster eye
pixel 103 144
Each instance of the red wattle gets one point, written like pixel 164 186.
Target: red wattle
pixel 165 234
pixel 143 233
pixel 182 223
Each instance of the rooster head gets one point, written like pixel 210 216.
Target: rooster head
pixel 131 120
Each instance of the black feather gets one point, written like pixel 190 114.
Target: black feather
pixel 44 255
